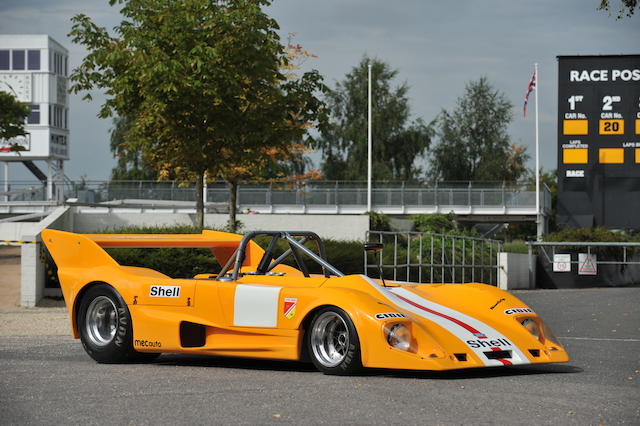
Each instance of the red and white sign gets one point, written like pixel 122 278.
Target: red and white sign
pixel 587 264
pixel 561 263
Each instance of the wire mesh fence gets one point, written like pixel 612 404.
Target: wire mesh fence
pixel 433 258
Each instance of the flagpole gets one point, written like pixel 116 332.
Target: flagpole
pixel 538 224
pixel 369 144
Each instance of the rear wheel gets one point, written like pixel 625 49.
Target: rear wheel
pixel 332 342
pixel 104 323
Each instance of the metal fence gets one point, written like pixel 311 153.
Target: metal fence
pixel 433 258
pixel 315 193
pixel 611 261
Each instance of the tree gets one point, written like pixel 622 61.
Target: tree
pixel 12 117
pixel 473 143
pixel 130 161
pixel 200 78
pixel 396 142
pixel 279 153
pixel 628 7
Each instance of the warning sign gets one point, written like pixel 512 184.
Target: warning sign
pixel 561 263
pixel 587 264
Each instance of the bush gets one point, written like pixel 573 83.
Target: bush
pixel 437 223
pixel 597 235
pixel 379 221
pixel 174 262
pixel 515 247
pixel 590 235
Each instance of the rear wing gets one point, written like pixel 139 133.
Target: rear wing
pixel 86 250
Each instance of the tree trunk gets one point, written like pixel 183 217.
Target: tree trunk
pixel 233 201
pixel 200 200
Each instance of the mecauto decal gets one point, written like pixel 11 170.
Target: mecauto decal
pixel 164 291
pixel 147 343
pixel 518 311
pixel 390 315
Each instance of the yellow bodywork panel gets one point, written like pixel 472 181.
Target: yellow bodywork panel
pixel 452 326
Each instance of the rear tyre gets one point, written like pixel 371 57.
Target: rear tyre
pixel 332 342
pixel 104 323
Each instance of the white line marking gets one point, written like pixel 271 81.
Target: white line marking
pixel 600 338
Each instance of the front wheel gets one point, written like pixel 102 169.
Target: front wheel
pixel 332 342
pixel 104 323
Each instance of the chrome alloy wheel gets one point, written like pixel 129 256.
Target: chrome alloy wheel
pixel 330 339
pixel 101 321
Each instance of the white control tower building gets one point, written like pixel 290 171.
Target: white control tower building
pixel 35 69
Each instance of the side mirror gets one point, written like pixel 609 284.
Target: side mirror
pixel 374 247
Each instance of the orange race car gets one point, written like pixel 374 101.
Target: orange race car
pixel 256 306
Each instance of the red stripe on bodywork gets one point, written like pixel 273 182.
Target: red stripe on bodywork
pixel 431 311
pixel 503 361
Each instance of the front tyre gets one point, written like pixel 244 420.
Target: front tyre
pixel 332 342
pixel 105 328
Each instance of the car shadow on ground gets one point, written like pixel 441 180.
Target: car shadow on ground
pixel 302 367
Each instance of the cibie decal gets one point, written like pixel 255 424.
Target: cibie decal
pixel 518 311
pixel 164 291
pixel 390 315
pixel 290 304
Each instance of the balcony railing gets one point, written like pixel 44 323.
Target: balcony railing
pixel 321 194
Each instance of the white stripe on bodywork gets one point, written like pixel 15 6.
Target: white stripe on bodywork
pixel 391 294
pixel 256 306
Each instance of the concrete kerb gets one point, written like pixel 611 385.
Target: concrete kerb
pixel 31 266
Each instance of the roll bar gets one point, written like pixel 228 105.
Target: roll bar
pixel 295 247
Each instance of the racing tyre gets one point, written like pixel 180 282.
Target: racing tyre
pixel 104 323
pixel 332 342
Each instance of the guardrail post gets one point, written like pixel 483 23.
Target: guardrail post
pixel 366 240
pixel 532 265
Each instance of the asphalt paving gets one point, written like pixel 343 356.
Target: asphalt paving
pixel 48 379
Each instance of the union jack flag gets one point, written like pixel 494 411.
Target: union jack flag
pixel 531 88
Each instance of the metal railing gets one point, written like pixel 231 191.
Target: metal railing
pixel 311 193
pixel 626 255
pixel 433 258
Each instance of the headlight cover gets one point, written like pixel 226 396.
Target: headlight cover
pixel 399 337
pixel 540 330
pixel 548 334
pixel 532 326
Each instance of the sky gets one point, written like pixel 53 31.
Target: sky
pixel 436 46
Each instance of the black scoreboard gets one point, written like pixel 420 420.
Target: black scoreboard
pixel 599 141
